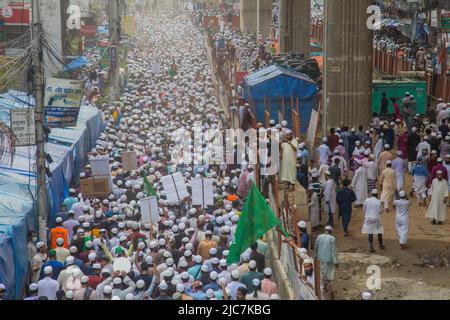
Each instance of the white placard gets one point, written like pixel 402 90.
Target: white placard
pixel 22 125
pixel 202 192
pixel 129 160
pixel 122 264
pixel 156 67
pixel 149 210
pixel 100 166
pixel 175 187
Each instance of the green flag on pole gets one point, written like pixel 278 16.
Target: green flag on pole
pixel 256 220
pixel 149 189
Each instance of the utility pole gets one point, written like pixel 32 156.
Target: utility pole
pixel 114 36
pixel 38 85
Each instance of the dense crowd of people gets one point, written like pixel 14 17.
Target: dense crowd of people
pixel 182 256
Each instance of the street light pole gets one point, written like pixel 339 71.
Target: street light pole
pixel 258 17
pixel 114 37
pixel 38 85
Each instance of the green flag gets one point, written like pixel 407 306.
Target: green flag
pixel 149 189
pixel 256 220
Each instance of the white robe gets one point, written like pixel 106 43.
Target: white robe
pixel 330 195
pixel 438 209
pixel 402 219
pixel 372 222
pixel 314 210
pixel 359 185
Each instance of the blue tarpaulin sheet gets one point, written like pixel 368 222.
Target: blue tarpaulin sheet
pixel 275 83
pixel 68 148
pixel 75 64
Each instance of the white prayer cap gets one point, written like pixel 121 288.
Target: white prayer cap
pixel 59 220
pixel 33 287
pixel 252 265
pixel 399 153
pixel 367 296
pixel 388 162
pixel 107 289
pixel 374 192
pixel 302 224
pixel 387 146
pixel 92 256
pixel 274 297
pixel 329 228
pixel 325 140
pixel 115 298
pixel 163 286
pixel 140 284
pixel 268 271
pixel 256 282
pixel 210 293
pixel 69 294
pixel 235 274
pixel 129 296
pixel 70 260
pixel 302 251
pixel 180 287
pixel 308 261
pixel 117 280
pixel 402 194
pixel 84 279
pixel 48 270
pixel 39 245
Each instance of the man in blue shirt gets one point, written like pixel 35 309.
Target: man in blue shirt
pixel 345 199
pixel 52 262
pixel 71 199
pixel 304 236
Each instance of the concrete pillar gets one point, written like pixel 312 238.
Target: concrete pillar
pixel 249 16
pixel 348 53
pixel 295 30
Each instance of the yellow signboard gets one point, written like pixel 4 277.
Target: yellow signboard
pixel 129 26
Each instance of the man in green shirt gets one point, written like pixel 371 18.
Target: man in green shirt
pixel 252 274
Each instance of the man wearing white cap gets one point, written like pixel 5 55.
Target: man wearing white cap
pixel 268 286
pixel 388 183
pixel 71 199
pixel 399 166
pixel 61 252
pixel 372 223
pixel 324 151
pixel 86 292
pixel 439 197
pixel 384 157
pixel 326 253
pixel 402 218
pixel 58 232
pixel 330 197
pixel 288 158
pixel 38 260
pixel 47 286
pixel 257 293
pixel 440 106
pixel 70 223
pixel 33 289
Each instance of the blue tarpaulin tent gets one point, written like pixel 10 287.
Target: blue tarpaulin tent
pixel 275 83
pixel 68 148
pixel 75 64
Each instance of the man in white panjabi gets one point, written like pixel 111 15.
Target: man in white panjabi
pixel 402 218
pixel 289 150
pixel 330 198
pixel 372 221
pixel 314 208
pixel 439 197
pixel 399 166
pixel 388 183
pixel 359 185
